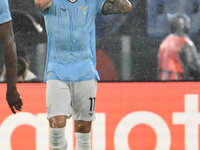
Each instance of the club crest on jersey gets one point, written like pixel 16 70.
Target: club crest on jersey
pixel 72 1
pixel 84 9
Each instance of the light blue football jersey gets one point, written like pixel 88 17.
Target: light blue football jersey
pixel 71 49
pixel 4 11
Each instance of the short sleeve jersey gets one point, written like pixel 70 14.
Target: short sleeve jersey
pixel 4 12
pixel 71 49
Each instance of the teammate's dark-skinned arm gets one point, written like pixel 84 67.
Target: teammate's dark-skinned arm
pixel 116 7
pixel 191 61
pixel 7 39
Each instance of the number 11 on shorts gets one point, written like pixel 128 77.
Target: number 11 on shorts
pixel 92 103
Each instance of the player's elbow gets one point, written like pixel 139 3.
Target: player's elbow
pixel 39 4
pixel 43 4
pixel 9 40
pixel 127 7
pixel 9 44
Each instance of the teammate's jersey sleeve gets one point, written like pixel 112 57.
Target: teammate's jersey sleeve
pixel 4 12
pixel 99 5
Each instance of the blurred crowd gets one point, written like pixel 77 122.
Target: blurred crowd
pixel 23 71
pixel 155 41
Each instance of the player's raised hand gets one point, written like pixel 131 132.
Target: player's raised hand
pixel 14 100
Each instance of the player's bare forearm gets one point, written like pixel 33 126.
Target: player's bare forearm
pixel 116 7
pixel 7 37
pixel 43 4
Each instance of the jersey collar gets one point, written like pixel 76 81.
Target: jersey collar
pixel 72 1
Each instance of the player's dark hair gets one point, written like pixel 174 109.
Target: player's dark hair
pixel 180 23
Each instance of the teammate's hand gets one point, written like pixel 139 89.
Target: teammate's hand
pixel 14 100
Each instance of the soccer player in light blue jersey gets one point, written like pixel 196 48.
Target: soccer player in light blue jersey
pixel 7 40
pixel 71 73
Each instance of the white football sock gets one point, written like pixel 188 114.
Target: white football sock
pixel 83 141
pixel 57 139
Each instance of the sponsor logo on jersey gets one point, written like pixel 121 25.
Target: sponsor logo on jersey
pixel 84 9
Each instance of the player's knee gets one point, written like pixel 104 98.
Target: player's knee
pixel 57 122
pixel 83 126
pixel 57 139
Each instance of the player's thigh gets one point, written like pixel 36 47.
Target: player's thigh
pixel 58 101
pixel 83 102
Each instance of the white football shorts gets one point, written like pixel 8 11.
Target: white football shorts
pixel 76 99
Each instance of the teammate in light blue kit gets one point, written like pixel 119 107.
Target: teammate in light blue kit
pixel 7 39
pixel 71 73
pixel 4 12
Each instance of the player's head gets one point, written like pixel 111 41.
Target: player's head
pixel 179 23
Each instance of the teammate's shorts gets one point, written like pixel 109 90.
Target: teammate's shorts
pixel 76 99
